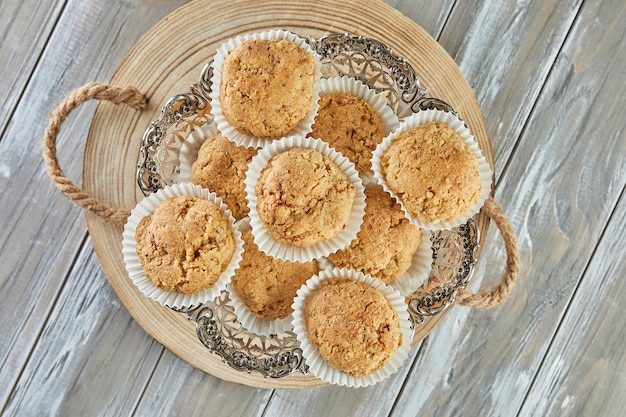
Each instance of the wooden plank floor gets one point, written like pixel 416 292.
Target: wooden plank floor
pixel 550 78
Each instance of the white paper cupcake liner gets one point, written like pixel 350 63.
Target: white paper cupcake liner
pixel 285 251
pixel 190 148
pixel 216 110
pixel 324 264
pixel 369 179
pixel 318 367
pixel 359 89
pixel 246 317
pixel 457 124
pixel 134 268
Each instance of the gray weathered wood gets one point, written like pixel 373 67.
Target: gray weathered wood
pixel 506 49
pixel 593 332
pixel 584 371
pixel 29 20
pixel 178 389
pixel 89 343
pixel 430 15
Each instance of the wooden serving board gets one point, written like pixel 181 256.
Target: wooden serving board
pixel 166 61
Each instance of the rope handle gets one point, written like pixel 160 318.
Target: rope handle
pixel 502 290
pixel 130 96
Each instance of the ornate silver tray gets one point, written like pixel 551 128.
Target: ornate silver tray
pixel 454 251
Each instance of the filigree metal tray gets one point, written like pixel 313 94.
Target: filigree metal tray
pixel 454 251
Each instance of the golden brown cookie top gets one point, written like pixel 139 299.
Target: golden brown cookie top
pixel 385 245
pixel 267 286
pixel 267 87
pixel 433 171
pixel 350 125
pixel 221 167
pixel 185 244
pixel 352 325
pixel 303 197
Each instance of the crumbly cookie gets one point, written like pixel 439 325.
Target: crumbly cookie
pixel 350 125
pixel 267 286
pixel 352 325
pixel 221 167
pixel 385 245
pixel 185 244
pixel 433 171
pixel 266 87
pixel 303 197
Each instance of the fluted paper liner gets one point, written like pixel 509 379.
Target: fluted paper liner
pixel 420 118
pixel 222 52
pixel 134 268
pixel 289 252
pixel 317 366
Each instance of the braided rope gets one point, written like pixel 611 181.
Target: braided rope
pixel 499 293
pixel 130 96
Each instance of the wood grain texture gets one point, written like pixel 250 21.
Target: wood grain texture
pixel 594 326
pixel 56 361
pixel 176 388
pixel 430 15
pixel 18 21
pixel 114 128
pixel 593 330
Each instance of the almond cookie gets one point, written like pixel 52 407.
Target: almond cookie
pixel 352 325
pixel 267 286
pixel 185 244
pixel 303 197
pixel 385 245
pixel 433 171
pixel 350 125
pixel 221 167
pixel 267 87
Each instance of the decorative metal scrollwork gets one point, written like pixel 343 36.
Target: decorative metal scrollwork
pixel 431 103
pixel 159 158
pixel 218 329
pixel 373 63
pixel 454 255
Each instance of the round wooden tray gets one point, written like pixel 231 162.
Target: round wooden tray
pixel 166 61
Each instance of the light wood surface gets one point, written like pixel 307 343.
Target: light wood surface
pixel 549 78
